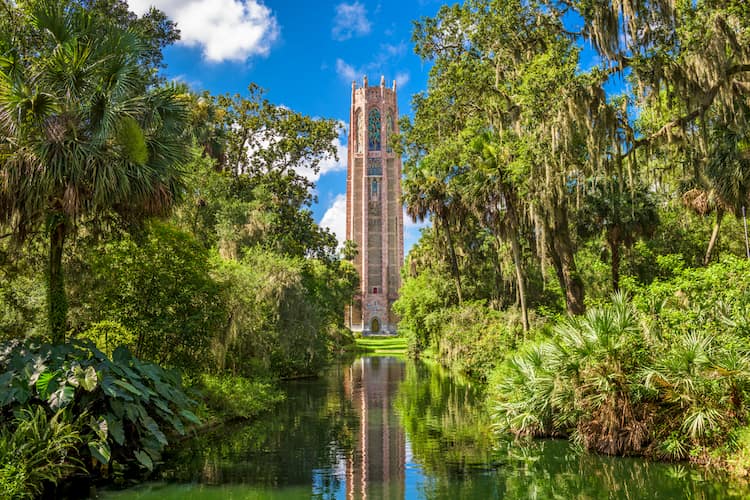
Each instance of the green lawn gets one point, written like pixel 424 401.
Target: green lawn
pixel 392 346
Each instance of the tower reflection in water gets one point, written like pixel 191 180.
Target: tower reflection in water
pixel 375 468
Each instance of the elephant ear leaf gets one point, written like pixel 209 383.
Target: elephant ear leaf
pixel 116 429
pixel 100 451
pixel 61 397
pixel 43 383
pixel 190 416
pixel 144 459
pixel 88 379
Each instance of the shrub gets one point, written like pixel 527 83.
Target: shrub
pixel 274 325
pixel 108 336
pixel 473 338
pixel 237 397
pixel 159 287
pixel 36 449
pixel 123 408
pixel 579 383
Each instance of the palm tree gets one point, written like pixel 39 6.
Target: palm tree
pixel 623 214
pixel 426 194
pixel 83 136
pixel 727 179
pixel 496 203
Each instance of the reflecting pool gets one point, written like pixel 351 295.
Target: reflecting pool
pixel 383 427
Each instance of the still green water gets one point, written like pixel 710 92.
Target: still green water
pixel 382 427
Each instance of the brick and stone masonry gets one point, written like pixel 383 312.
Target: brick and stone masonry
pixel 374 214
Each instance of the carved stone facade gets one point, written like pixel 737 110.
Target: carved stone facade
pixel 374 216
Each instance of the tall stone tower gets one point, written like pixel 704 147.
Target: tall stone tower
pixel 374 216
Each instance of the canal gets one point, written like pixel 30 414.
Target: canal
pixel 383 427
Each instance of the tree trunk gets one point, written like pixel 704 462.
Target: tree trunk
pixel 57 302
pixel 517 262
pixel 454 260
pixel 560 248
pixel 714 236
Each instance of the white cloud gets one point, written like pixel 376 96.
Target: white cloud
pixel 226 30
pixel 335 218
pixel 391 50
pixel 402 79
pixel 346 71
pixel 350 21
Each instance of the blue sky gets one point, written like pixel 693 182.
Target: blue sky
pixel 305 54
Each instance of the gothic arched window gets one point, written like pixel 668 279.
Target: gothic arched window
pixel 358 128
pixel 389 131
pixel 374 190
pixel 373 130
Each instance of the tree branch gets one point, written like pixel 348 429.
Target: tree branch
pixel 706 102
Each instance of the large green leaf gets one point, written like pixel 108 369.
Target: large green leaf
pixel 127 386
pixel 61 397
pixel 144 460
pixel 150 424
pixel 43 383
pixel 116 429
pixel 100 451
pixel 189 415
pixel 88 379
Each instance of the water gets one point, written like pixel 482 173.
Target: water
pixel 387 428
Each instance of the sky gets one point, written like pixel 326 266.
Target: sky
pixel 305 54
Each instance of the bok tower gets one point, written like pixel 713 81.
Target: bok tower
pixel 374 216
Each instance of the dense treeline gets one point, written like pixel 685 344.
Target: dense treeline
pixel 566 151
pixel 145 231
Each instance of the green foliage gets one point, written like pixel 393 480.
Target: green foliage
pixel 88 135
pixel 276 325
pixel 108 336
pixel 622 380
pixel 473 338
pixel 159 288
pixel 37 449
pixel 419 298
pixel 696 296
pixel 124 409
pixel 577 382
pixel 232 397
pixel 22 304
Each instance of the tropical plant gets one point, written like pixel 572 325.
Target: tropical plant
pixel 83 135
pixel 580 383
pixel 123 408
pixel 35 450
pixel 156 284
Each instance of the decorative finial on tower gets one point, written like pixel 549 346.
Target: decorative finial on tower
pixel 382 80
pixel 394 85
pixel 365 80
pixel 354 86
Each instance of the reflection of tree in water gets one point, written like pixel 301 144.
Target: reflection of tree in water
pixel 450 438
pixel 551 469
pixel 447 429
pixel 308 432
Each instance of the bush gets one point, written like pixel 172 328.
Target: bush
pixel 123 408
pixel 108 336
pixel 159 288
pixel 620 382
pixel 275 325
pixel 231 397
pixel 473 338
pixel 36 449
